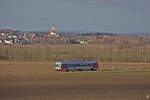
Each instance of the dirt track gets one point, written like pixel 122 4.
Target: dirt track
pixel 75 86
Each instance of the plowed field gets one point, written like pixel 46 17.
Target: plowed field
pixel 102 85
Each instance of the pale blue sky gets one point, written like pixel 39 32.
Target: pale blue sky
pixel 76 15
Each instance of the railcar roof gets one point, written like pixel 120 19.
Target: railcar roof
pixel 74 62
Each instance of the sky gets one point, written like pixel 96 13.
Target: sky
pixel 121 16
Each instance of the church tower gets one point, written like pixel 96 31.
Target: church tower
pixel 53 31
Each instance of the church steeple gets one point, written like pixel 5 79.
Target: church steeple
pixel 53 33
pixel 53 30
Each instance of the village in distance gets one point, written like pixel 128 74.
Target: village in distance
pixel 15 37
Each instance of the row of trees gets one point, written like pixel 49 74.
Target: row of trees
pixel 140 54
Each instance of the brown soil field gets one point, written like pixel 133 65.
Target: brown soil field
pixel 38 81
pixel 47 67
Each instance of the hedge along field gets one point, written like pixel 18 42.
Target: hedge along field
pixel 135 54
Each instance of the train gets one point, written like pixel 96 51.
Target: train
pixel 76 66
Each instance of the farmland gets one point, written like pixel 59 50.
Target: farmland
pixel 102 53
pixel 76 86
pixel 38 81
pixel 27 73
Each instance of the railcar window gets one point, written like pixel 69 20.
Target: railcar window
pixel 77 65
pixel 72 65
pixel 58 65
pixel 91 64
